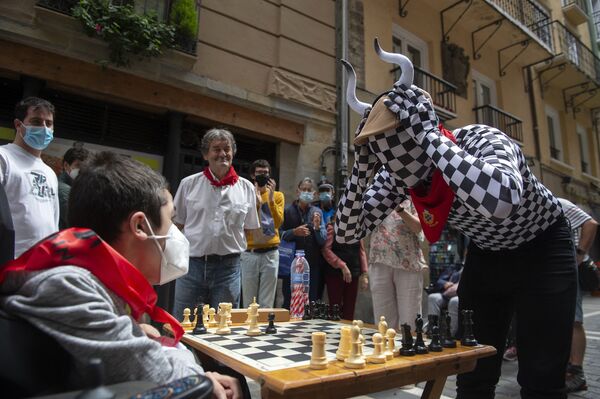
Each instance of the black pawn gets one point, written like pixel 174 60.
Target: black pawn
pixel 307 312
pixel 407 341
pixel 200 328
pixel 435 345
pixel 420 347
pixel 326 311
pixel 313 310
pixel 432 320
pixel 447 340
pixel 468 338
pixel 271 327
pixel 335 315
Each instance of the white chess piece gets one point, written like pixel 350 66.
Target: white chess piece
pixel 356 359
pixel 223 327
pixel 186 323
pixel 378 355
pixel 318 360
pixel 345 343
pixel 212 322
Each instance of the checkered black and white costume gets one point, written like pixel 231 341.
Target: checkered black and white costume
pixel 498 202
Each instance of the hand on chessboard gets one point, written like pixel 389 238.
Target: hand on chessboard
pixel 224 386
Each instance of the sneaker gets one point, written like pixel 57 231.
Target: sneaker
pixel 510 354
pixel 575 380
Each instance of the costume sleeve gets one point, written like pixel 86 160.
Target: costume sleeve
pixel 327 253
pixel 276 208
pixel 79 313
pixel 490 183
pixel 360 212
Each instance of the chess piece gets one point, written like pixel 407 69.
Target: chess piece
pixel 345 343
pixel 307 313
pixel 195 322
pixel 382 327
pixel 313 310
pixel 326 311
pixel 420 348
pixel 271 327
pixel 378 355
pixel 318 360
pixel 248 312
pixel 390 337
pixel 432 320
pixel 335 315
pixel 407 341
pixel 199 328
pixel 253 328
pixel 468 338
pixel 356 359
pixel 186 323
pixel 212 322
pixel 228 308
pixel 223 327
pixel 447 340
pixel 435 345
pixel 360 325
pixel 205 310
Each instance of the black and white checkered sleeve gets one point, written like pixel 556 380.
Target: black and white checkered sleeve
pixel 361 210
pixel 489 182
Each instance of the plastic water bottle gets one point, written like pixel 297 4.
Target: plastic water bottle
pixel 300 282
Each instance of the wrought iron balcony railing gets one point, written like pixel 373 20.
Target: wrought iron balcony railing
pixel 596 17
pixel 161 8
pixel 528 14
pixel 579 3
pixel 505 122
pixel 443 93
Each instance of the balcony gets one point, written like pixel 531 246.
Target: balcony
pixel 503 121
pixel 596 17
pixel 575 11
pixel 161 8
pixel 442 93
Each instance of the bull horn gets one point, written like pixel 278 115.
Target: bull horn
pixel 353 101
pixel 406 66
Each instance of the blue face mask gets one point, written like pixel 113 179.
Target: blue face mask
pixel 325 197
pixel 306 196
pixel 38 137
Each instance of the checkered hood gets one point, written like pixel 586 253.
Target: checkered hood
pixel 499 203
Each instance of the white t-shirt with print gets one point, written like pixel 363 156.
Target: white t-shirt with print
pixel 32 191
pixel 215 218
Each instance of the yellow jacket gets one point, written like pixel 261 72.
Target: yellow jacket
pixel 276 208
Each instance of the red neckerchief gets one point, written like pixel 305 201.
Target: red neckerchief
pixel 228 180
pixel 434 207
pixel 83 248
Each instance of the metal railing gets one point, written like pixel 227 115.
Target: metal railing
pixel 596 17
pixel 566 43
pixel 443 93
pixel 580 3
pixel 161 9
pixel 528 14
pixel 503 121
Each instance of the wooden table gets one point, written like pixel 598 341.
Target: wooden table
pixel 339 382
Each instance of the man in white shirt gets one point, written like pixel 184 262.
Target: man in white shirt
pixel 31 186
pixel 214 208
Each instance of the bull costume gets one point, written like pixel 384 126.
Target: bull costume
pixel 521 257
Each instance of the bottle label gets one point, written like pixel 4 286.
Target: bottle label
pixel 298 278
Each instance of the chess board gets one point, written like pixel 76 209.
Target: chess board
pixel 290 347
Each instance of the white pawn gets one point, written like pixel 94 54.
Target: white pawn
pixel 228 308
pixel 356 359
pixel 378 355
pixel 318 360
pixel 205 310
pixel 391 344
pixel 345 343
pixel 212 322
pixel 186 323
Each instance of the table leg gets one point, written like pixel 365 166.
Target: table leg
pixel 433 388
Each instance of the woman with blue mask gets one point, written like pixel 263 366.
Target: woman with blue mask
pixel 303 223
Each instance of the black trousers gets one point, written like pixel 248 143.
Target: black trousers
pixel 536 282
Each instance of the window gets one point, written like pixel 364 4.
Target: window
pixel 484 93
pixel 413 47
pixel 553 125
pixel 583 149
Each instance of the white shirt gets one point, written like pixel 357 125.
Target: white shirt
pixel 32 191
pixel 214 218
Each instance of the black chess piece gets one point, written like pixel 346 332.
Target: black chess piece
pixel 335 315
pixel 432 320
pixel 420 347
pixel 271 327
pixel 407 341
pixel 468 338
pixel 200 327
pixel 435 345
pixel 447 340
pixel 307 311
pixel 326 311
pixel 313 310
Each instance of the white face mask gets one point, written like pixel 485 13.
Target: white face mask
pixel 174 260
pixel 73 173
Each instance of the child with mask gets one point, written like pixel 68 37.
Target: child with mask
pixel 304 224
pixel 325 202
pixel 88 286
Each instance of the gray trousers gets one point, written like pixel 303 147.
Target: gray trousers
pixel 437 302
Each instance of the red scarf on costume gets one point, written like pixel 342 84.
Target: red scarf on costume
pixel 83 248
pixel 228 180
pixel 434 207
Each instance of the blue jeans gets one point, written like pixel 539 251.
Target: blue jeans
pixel 210 282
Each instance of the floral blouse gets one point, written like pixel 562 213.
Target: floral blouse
pixel 393 244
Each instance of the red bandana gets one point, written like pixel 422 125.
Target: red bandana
pixel 434 207
pixel 228 180
pixel 83 248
